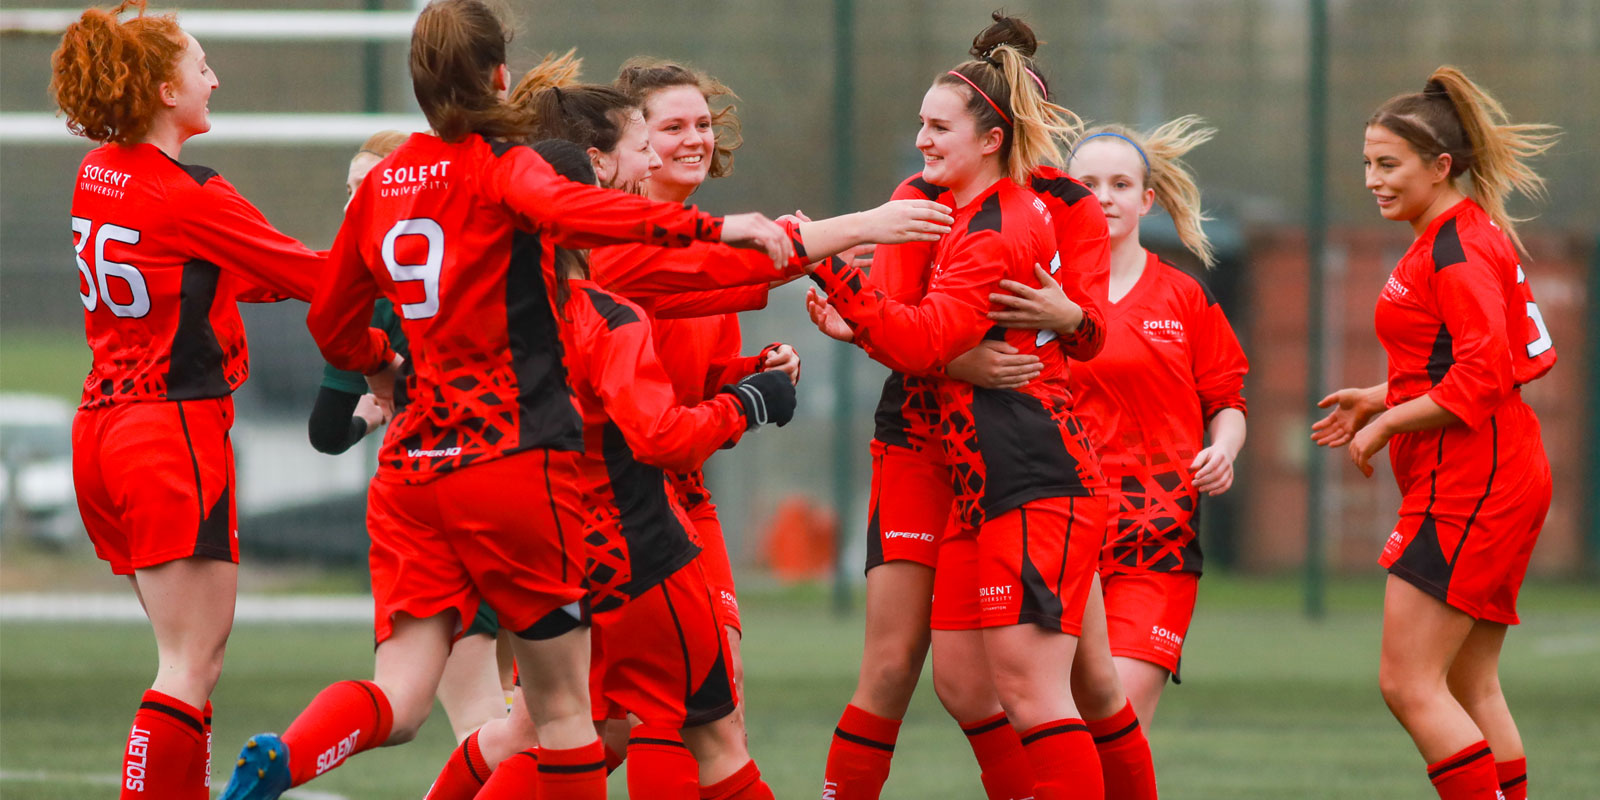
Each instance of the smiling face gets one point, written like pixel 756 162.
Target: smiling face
pixel 955 154
pixel 187 95
pixel 631 162
pixel 679 121
pixel 1112 169
pixel 1405 185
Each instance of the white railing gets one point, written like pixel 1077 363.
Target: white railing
pixel 294 128
pixel 264 25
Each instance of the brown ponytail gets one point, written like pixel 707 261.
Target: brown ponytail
pixel 456 47
pixel 551 71
pixel 1454 116
pixel 1005 89
pixel 641 77
pixel 1162 151
pixel 106 73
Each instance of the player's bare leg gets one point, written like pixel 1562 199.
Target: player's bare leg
pixel 1422 637
pixel 555 687
pixel 470 689
pixel 408 666
pixel 1096 685
pixel 1474 681
pixel 899 605
pixel 1097 688
pixel 190 605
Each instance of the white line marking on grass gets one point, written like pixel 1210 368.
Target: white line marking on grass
pixel 106 779
pixel 42 607
pixel 1575 644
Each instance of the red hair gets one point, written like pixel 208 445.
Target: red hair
pixel 106 74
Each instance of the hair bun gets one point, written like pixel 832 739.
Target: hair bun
pixel 1005 30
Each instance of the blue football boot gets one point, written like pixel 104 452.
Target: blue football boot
pixel 262 772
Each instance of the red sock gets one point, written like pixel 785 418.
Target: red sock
pixel 1064 759
pixel 1005 770
pixel 203 792
pixel 346 718
pixel 166 741
pixel 1124 756
pixel 660 765
pixel 858 759
pixel 1467 775
pixel 463 774
pixel 1513 776
pixel 575 774
pixel 745 784
pixel 516 778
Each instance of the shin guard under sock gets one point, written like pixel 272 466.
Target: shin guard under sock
pixel 1125 762
pixel 344 719
pixel 1513 777
pixel 1466 775
pixel 1004 767
pixel 464 773
pixel 1065 764
pixel 575 774
pixel 745 784
pixel 660 765
pixel 165 750
pixel 858 759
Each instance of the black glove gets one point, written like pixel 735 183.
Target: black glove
pixel 765 397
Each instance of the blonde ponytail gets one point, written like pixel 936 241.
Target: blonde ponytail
pixel 1040 129
pixel 1454 116
pixel 552 71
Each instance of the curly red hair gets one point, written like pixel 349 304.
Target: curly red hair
pixel 106 74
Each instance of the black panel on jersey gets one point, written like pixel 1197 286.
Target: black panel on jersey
pixel 657 543
pixel 889 420
pixel 1211 299
pixel 1024 455
pixel 213 538
pixel 195 369
pixel 1423 561
pixel 615 314
pixel 1447 249
pixel 546 416
pixel 500 146
pixel 988 216
pixel 929 190
pixel 198 173
pixel 1067 189
pixel 1443 356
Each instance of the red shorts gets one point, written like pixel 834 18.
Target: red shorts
pixel 1031 564
pixel 1473 503
pixel 910 505
pixel 663 656
pixel 1148 614
pixel 155 481
pixel 507 532
pixel 714 561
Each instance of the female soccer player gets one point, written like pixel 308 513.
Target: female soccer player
pixel 1462 334
pixel 1167 338
pixel 1014 571
pixel 476 497
pixel 345 413
pixel 165 251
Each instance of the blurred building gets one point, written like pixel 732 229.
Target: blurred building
pixel 1239 63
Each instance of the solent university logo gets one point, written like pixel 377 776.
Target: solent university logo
pixel 1169 331
pixel 401 181
pixel 102 181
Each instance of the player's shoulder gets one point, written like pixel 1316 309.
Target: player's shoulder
pixel 1467 235
pixel 1056 185
pixel 918 188
pixel 612 310
pixel 1187 285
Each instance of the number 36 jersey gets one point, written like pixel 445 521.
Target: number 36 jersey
pixel 164 251
pixel 460 236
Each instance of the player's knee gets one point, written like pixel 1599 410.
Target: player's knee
pixel 1097 696
pixel 965 697
pixel 1473 690
pixel 1404 693
pixel 891 676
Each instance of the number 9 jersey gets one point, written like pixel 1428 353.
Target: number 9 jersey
pixel 164 250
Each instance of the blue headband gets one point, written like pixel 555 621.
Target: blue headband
pixel 1136 147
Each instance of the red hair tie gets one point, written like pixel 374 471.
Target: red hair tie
pixel 986 97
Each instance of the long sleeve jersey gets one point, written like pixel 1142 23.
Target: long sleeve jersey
pixel 1171 362
pixel 901 271
pixel 634 427
pixel 1458 320
pixel 1004 447
pixel 165 251
pixel 461 236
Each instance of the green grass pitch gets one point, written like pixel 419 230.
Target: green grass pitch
pixel 1272 706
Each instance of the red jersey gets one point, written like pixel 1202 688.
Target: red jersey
pixel 1458 320
pixel 1004 447
pixel 901 270
pixel 460 236
pixel 164 251
pixel 633 428
pixel 1170 363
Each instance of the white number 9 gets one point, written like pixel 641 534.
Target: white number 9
pixel 427 271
